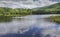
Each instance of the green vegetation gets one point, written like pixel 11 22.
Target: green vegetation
pixel 55 19
pixel 14 12
pixel 53 9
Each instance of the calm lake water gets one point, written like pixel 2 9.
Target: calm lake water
pixel 29 26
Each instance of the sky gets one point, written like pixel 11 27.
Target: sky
pixel 26 3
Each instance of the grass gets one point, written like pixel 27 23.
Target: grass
pixel 55 19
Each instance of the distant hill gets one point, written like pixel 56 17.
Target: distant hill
pixel 53 9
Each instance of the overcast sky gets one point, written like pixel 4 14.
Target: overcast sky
pixel 25 0
pixel 26 3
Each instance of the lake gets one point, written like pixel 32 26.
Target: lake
pixel 29 26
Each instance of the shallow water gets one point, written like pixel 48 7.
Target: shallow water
pixel 29 26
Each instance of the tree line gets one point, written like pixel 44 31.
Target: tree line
pixel 14 12
pixel 22 12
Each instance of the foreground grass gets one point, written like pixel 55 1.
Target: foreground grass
pixel 55 19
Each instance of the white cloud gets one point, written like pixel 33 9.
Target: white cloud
pixel 26 4
pixel 16 26
pixel 29 22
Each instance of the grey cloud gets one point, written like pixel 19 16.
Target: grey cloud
pixel 55 0
pixel 26 0
pixel 13 0
pixel 25 3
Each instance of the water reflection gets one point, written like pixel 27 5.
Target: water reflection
pixel 5 19
pixel 30 26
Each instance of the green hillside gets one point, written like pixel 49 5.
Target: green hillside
pixel 53 9
pixel 14 12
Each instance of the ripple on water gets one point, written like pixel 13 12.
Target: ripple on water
pixel 29 26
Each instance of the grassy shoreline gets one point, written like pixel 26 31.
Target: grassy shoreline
pixel 55 19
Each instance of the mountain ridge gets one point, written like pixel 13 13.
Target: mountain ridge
pixel 52 9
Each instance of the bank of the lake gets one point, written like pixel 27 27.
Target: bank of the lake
pixel 55 19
